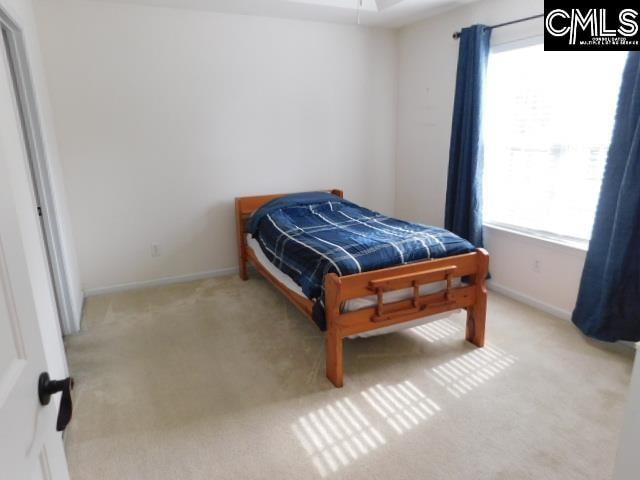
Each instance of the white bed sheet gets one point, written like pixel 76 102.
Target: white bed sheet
pixel 358 303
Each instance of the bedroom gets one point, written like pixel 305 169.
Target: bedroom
pixel 145 120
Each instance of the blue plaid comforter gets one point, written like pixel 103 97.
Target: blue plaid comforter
pixel 311 234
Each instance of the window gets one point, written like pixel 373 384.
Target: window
pixel 548 122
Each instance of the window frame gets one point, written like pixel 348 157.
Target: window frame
pixel 548 237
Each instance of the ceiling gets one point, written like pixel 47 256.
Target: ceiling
pixel 383 13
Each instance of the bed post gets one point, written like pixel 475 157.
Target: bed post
pixel 242 242
pixel 333 336
pixel 477 313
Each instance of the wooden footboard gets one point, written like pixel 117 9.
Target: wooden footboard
pixel 470 295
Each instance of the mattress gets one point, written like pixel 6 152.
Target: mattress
pixel 358 303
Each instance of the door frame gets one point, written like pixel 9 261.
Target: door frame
pixel 39 169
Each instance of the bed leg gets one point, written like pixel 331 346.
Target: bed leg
pixel 476 318
pixel 242 270
pixel 242 242
pixel 477 313
pixel 333 337
pixel 334 359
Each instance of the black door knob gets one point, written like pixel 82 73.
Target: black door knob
pixel 48 387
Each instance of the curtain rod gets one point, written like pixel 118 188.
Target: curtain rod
pixel 456 35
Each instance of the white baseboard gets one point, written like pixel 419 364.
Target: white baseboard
pixel 527 300
pixel 620 346
pixel 221 272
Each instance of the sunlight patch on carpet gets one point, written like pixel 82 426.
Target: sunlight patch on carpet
pixel 467 372
pixel 335 435
pixel 403 405
pixel 436 330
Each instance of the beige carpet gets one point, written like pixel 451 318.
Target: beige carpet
pixel 221 379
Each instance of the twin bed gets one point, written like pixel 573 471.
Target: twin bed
pixel 355 272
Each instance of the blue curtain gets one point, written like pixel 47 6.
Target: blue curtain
pixel 463 210
pixel 608 306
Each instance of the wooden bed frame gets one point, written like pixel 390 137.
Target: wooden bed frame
pixel 472 295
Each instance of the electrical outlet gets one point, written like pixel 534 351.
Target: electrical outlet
pixel 537 266
pixel 155 250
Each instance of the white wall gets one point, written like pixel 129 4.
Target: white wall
pixel 427 59
pixel 553 288
pixel 160 113
pixel 164 116
pixel 21 12
pixel 628 460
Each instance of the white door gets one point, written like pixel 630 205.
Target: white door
pixel 30 446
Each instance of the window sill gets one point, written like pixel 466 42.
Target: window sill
pixel 575 244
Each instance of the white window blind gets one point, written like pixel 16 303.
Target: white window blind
pixel 547 128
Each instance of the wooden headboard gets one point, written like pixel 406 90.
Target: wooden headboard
pixel 245 206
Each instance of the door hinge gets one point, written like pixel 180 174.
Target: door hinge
pixel 39 211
